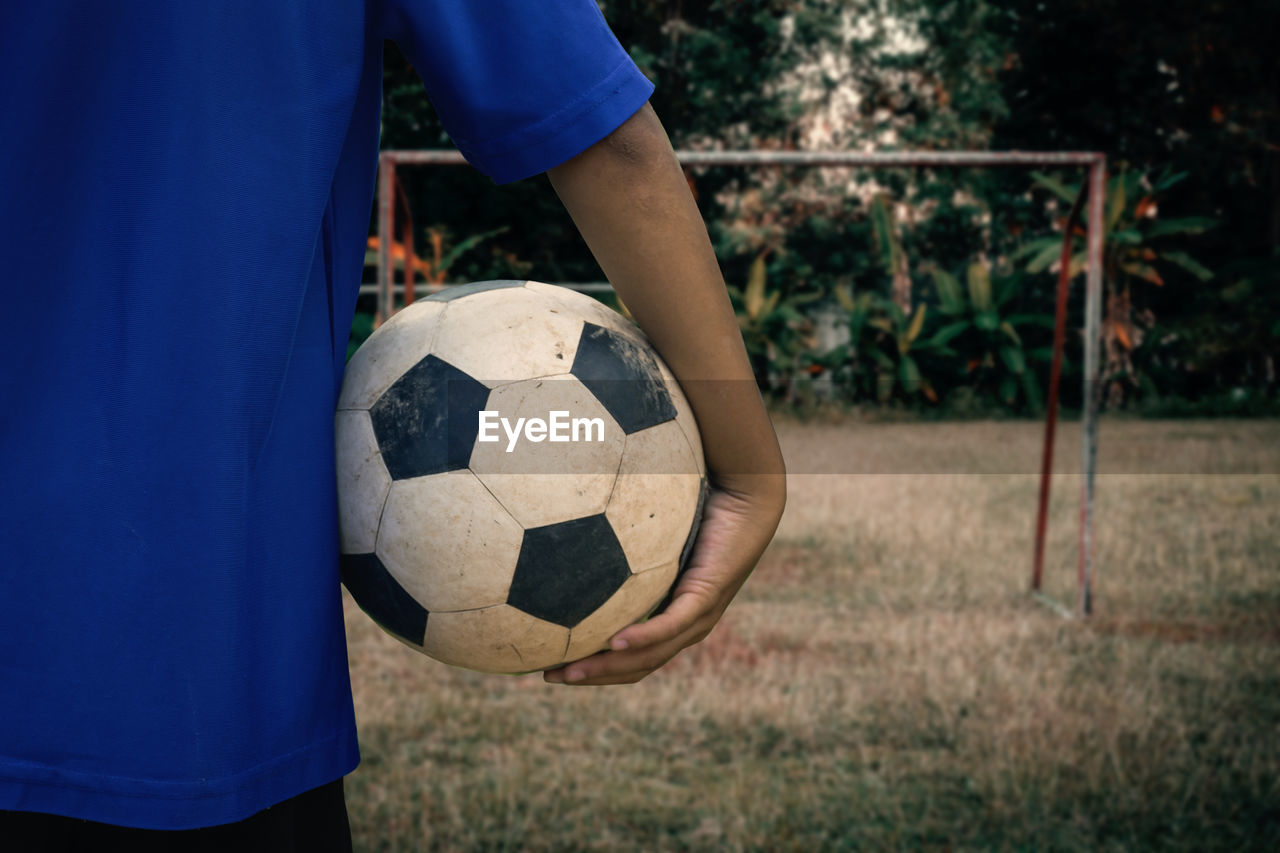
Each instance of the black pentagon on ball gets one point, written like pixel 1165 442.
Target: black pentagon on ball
pixel 567 570
pixel 381 596
pixel 426 422
pixel 623 377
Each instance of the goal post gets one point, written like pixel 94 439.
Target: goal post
pixel 1092 194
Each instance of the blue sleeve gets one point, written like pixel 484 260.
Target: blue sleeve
pixel 520 85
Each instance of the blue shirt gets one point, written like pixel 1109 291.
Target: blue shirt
pixel 185 191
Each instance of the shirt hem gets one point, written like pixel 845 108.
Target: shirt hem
pixel 164 804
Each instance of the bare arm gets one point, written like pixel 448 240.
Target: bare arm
pixel 628 197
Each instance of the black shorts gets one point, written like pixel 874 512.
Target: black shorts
pixel 315 820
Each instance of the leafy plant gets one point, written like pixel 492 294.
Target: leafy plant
pixel 889 249
pixel 990 338
pixel 1130 261
pixel 774 330
pixel 886 348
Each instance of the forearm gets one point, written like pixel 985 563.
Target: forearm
pixel 629 199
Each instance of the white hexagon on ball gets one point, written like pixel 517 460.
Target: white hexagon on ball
pixel 538 480
pixel 506 335
pixel 448 542
pixel 498 639
pixel 655 496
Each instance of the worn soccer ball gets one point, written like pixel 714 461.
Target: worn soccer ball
pixel 519 476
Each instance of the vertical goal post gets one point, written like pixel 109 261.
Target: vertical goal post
pixel 1092 193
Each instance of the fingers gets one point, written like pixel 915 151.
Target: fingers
pixel 610 668
pixel 683 611
pixel 636 662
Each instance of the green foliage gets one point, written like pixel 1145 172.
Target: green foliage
pixel 1137 255
pixel 991 339
pixel 1149 83
pixel 970 342
pixel 775 331
pixel 1130 224
pixel 1223 359
pixel 886 348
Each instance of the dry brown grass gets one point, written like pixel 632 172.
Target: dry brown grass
pixel 884 681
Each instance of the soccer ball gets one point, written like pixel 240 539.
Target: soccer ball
pixel 519 476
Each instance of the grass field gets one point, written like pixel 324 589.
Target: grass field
pixel 884 681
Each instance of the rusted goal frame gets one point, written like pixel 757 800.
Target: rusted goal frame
pixel 1093 191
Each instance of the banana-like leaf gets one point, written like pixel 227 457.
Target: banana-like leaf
pixel 845 297
pixel 1188 263
pixel 1009 330
pixel 1042 354
pixel 944 335
pixel 979 287
pixel 882 359
pixel 1013 359
pixel 1167 179
pixel 1036 246
pixel 1143 271
pixel 909 373
pixel 467 245
pixel 1115 204
pixel 913 331
pixel 1078 263
pixel 1187 225
pixel 1047 256
pixel 1045 354
pixel 754 293
pixel 770 303
pixel 884 324
pixel 1127 237
pixel 987 321
pixel 950 298
pixel 886 234
pixel 1056 187
pixel 1005 286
